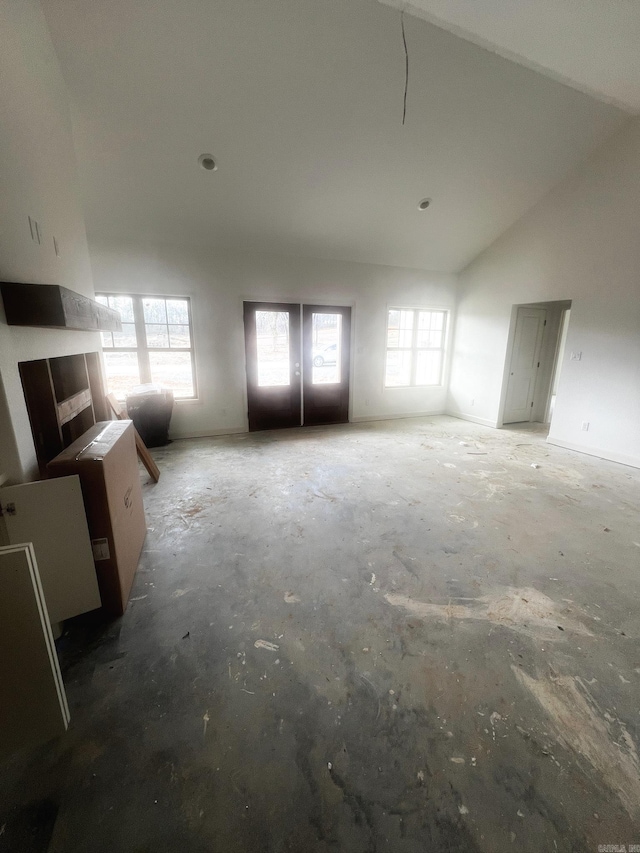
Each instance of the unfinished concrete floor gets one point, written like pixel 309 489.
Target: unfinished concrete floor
pixel 396 636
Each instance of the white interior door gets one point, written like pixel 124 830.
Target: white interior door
pixel 525 362
pixel 34 706
pixel 50 514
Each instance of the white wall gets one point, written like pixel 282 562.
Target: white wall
pixel 581 242
pixel 217 285
pixel 38 179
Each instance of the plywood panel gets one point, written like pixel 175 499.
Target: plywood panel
pixel 63 397
pixel 94 372
pixel 51 514
pixel 34 705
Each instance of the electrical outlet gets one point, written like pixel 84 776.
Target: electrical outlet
pixel 585 426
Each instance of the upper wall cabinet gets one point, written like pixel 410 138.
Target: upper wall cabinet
pixel 56 307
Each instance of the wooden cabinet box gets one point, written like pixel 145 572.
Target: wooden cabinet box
pixel 105 459
pixel 64 396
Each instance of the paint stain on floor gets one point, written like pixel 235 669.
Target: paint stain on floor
pixel 525 610
pixel 598 737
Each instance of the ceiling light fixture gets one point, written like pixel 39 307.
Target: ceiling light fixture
pixel 207 162
pixel 424 204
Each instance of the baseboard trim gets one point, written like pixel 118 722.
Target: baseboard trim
pixel 465 417
pixel 214 433
pixel 620 458
pixel 363 419
pixel 207 433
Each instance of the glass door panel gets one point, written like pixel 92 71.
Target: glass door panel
pixel 327 348
pixel 272 338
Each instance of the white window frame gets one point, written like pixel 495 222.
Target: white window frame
pixel 141 349
pixel 414 349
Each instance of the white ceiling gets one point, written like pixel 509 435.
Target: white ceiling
pixel 593 45
pixel 301 103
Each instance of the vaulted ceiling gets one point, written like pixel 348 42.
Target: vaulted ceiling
pixel 301 104
pixel 591 45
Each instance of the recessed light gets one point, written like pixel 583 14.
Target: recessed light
pixel 424 204
pixel 208 162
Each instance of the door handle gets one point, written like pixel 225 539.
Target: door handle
pixel 297 373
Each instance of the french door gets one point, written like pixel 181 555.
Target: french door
pixel 326 336
pixel 297 374
pixel 274 375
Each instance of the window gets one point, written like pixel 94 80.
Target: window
pixel 415 347
pixel 155 344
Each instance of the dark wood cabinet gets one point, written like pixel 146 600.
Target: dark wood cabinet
pixel 65 396
pixel 56 307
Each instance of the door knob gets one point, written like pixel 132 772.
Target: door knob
pixel 297 364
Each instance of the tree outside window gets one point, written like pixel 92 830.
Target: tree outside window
pixel 155 344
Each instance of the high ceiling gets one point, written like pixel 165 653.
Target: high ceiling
pixel 592 45
pixel 301 102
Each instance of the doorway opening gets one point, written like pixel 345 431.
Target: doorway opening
pixel 298 362
pixel 533 362
pixel 555 379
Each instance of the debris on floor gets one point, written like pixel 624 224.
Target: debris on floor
pixel 498 690
pixel 265 644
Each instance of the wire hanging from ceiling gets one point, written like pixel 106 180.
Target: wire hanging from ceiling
pixel 406 68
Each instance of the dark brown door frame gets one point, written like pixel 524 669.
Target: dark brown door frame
pixel 325 404
pixel 300 402
pixel 280 406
